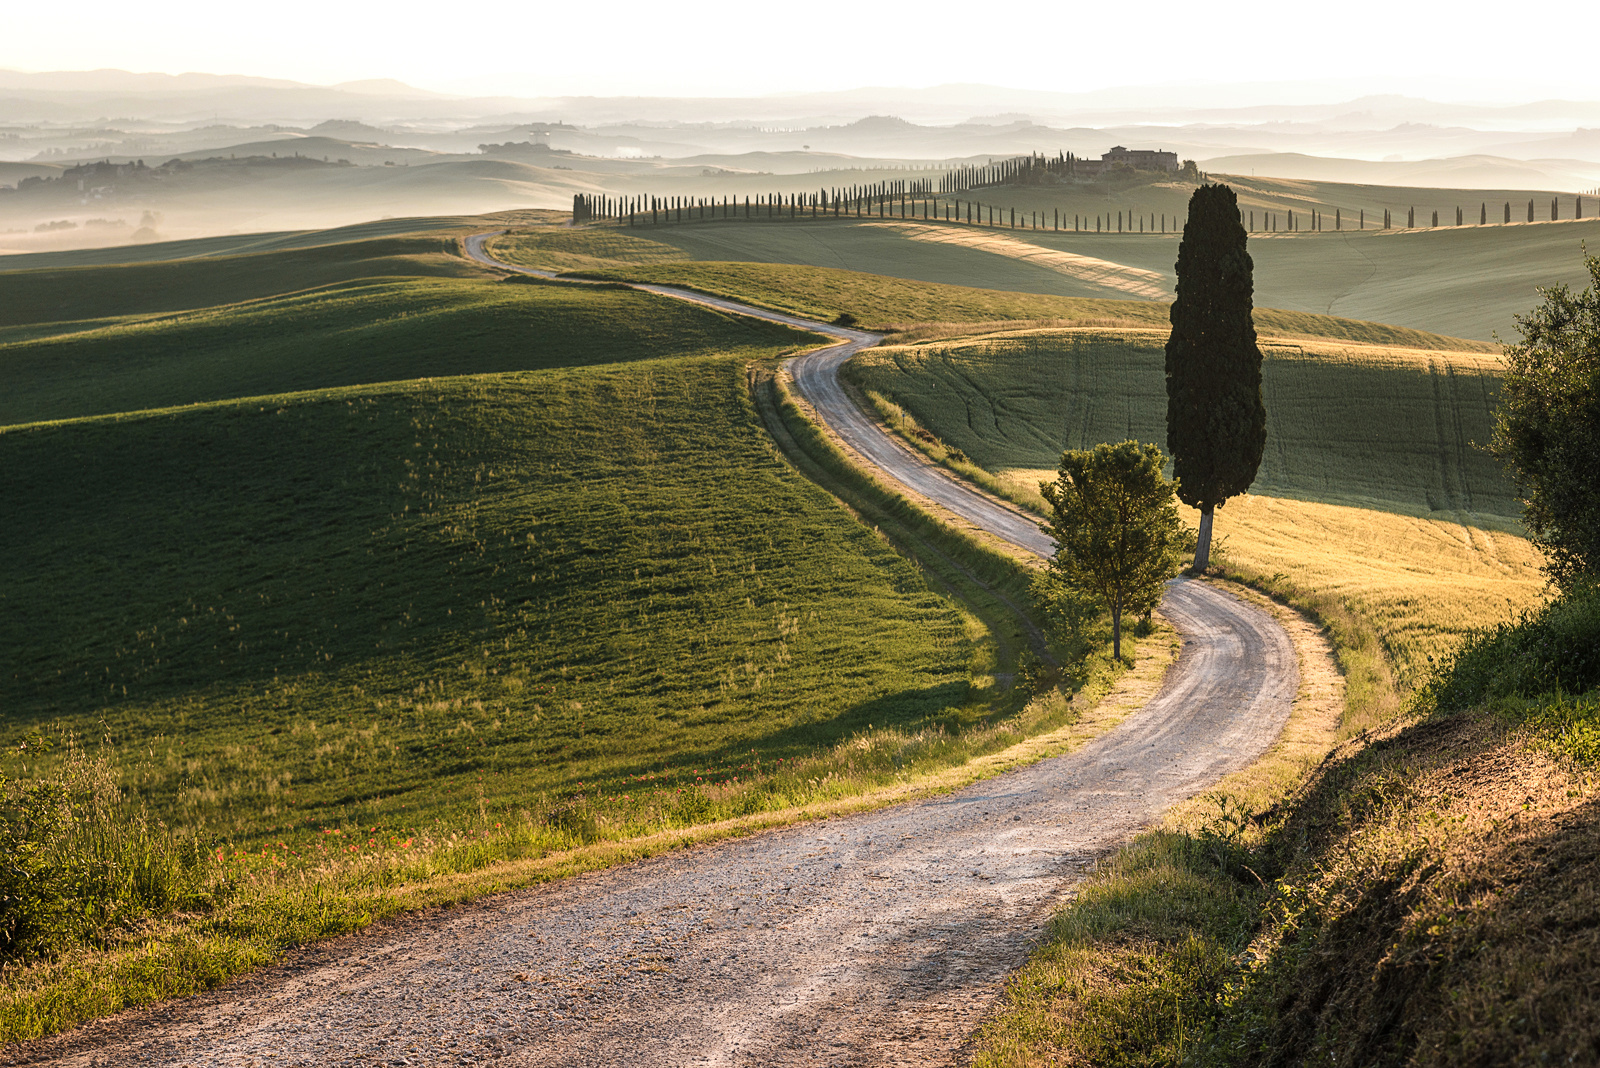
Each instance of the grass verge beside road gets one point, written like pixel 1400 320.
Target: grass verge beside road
pixel 1371 503
pixel 1423 897
pixel 362 649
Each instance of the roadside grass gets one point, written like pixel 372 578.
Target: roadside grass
pixel 1347 424
pixel 1422 898
pixel 363 649
pixel 876 301
pixel 1372 508
pixel 247 909
pixel 350 333
pixel 891 304
pixel 1413 589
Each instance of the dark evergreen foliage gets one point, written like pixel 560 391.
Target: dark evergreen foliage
pixel 1216 423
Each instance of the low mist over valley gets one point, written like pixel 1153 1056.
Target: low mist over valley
pixel 107 158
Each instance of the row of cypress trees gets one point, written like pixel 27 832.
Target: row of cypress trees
pixel 1318 219
pixel 916 199
pixel 915 203
pixel 854 199
pixel 866 199
pixel 1020 170
pixel 922 207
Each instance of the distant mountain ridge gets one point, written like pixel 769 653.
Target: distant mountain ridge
pixel 68 94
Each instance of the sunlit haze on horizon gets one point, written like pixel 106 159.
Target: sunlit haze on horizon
pixel 500 48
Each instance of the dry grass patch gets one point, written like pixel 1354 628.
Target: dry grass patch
pixel 1425 898
pixel 1421 584
pixel 1443 912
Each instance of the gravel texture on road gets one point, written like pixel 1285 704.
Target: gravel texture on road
pixel 877 938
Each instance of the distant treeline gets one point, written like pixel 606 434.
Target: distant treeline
pixel 920 204
pixel 103 177
pixel 1021 170
pixel 1316 219
pixel 846 200
pixel 939 201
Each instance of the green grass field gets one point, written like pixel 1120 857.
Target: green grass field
pixel 381 329
pixel 553 547
pixel 380 605
pixel 1356 425
pixel 886 302
pixel 1462 282
pixel 73 294
pixel 1371 492
pixel 393 590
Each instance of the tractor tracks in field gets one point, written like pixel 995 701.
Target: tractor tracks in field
pixel 877 938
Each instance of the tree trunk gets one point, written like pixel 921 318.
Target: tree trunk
pixel 1202 548
pixel 1116 631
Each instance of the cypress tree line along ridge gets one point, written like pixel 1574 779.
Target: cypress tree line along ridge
pixel 915 199
pixel 1216 423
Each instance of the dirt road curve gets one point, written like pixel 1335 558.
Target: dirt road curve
pixel 874 939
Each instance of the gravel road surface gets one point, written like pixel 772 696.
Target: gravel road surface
pixel 874 939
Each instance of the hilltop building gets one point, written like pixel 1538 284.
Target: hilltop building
pixel 1139 159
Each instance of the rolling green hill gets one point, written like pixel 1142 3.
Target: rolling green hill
pixel 1462 282
pixel 1371 427
pixel 1372 502
pixel 381 605
pixel 895 304
pixel 363 588
pixel 372 330
pixel 402 531
pixel 233 244
pixel 70 294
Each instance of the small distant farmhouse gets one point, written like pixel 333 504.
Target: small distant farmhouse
pixel 1139 159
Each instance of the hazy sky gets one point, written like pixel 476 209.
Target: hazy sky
pixel 625 47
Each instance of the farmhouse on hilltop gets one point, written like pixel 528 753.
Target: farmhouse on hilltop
pixel 1139 159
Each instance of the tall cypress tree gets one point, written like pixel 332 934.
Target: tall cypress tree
pixel 1216 423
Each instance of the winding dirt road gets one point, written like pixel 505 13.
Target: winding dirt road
pixel 880 938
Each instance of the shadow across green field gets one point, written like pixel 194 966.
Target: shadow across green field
pixel 389 605
pixel 365 331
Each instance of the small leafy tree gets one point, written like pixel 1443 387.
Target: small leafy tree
pixel 1216 423
pixel 1547 427
pixel 1116 527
